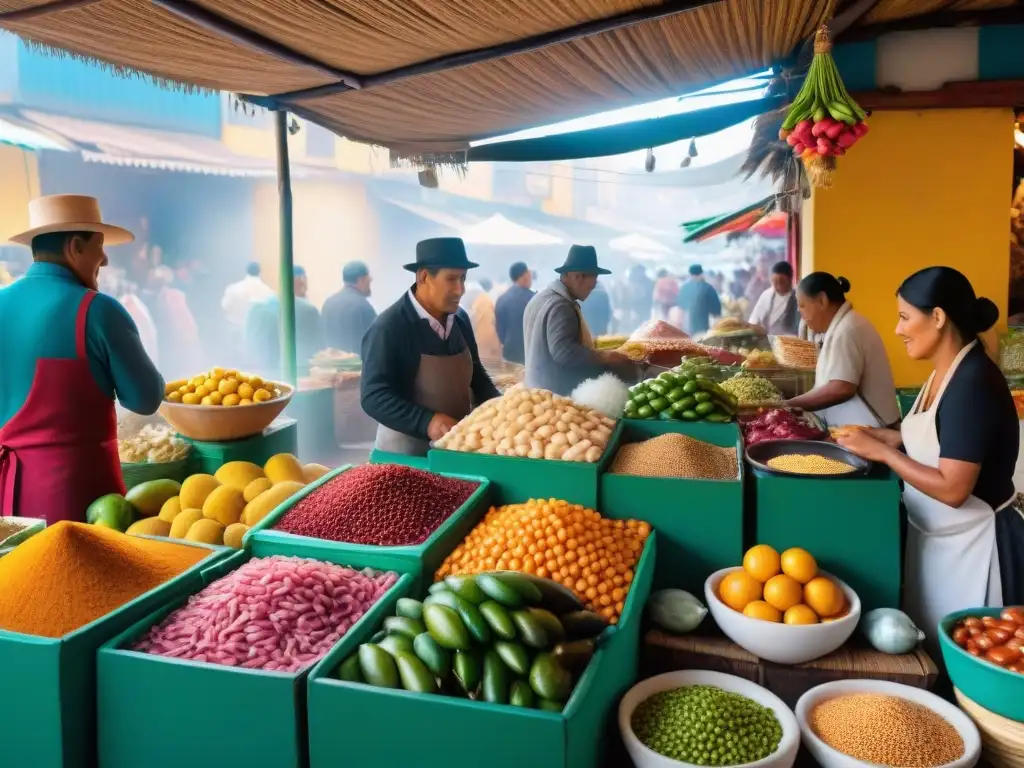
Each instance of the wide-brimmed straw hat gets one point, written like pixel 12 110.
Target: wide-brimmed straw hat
pixel 69 213
pixel 441 253
pixel 582 258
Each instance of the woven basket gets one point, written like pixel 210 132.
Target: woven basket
pixel 137 474
pixel 1002 739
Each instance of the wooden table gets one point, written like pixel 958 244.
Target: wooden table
pixel 711 650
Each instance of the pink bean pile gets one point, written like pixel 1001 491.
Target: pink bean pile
pixel 275 613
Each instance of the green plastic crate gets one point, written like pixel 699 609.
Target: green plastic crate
pixel 906 399
pixel 996 689
pixel 160 712
pixel 137 474
pixel 516 479
pixel 421 561
pixel 394 727
pixel 699 522
pixel 387 457
pixel 852 527
pixel 282 436
pixel 49 684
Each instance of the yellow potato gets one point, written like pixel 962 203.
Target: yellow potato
pixel 191 399
pixel 230 400
pixel 228 386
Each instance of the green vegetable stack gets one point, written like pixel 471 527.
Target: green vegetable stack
pixel 681 394
pixel 504 638
pixel 704 725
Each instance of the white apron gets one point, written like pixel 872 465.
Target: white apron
pixel 951 559
pixel 856 410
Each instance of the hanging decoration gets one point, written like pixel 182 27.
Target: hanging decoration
pixel 824 121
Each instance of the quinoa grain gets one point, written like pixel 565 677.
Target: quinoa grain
pixel 675 455
pixel 886 730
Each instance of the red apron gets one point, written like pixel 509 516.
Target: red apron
pixel 59 451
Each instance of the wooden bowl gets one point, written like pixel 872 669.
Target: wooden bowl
pixel 215 423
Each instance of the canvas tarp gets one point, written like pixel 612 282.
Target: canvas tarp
pixel 340 62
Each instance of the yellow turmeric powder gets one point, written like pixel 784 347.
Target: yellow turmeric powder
pixel 72 574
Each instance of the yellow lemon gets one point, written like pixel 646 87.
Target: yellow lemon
pixel 230 400
pixel 762 562
pixel 245 390
pixel 761 610
pixel 255 382
pixel 198 381
pixel 184 389
pixel 824 597
pixel 191 399
pixel 739 589
pixel 174 386
pixel 799 564
pixel 782 591
pixel 245 401
pixel 800 614
pixel 174 397
pixel 261 395
pixel 214 397
pixel 217 373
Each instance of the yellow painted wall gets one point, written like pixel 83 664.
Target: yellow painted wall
pixel 19 183
pixel 922 189
pixel 333 224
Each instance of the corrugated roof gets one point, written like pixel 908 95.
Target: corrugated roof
pixel 111 144
pixel 432 75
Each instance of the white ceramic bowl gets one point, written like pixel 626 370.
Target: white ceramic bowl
pixel 781 643
pixel 642 757
pixel 827 757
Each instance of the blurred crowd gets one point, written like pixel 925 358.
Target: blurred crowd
pixel 185 328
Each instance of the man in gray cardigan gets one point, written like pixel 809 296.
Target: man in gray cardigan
pixel 559 349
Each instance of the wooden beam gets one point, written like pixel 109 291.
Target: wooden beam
pixel 526 45
pixel 25 14
pixel 956 95
pixel 236 33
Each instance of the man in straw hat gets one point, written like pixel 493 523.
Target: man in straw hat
pixel 73 352
pixel 559 348
pixel 421 367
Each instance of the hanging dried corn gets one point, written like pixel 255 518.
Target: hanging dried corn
pixel 824 121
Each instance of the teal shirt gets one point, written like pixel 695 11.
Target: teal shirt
pixel 263 335
pixel 37 321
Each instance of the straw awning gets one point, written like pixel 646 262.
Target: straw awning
pixel 429 76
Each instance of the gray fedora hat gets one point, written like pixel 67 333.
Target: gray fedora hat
pixel 582 258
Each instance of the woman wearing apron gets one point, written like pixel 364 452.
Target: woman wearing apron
pixel 853 383
pixel 421 367
pixel 965 538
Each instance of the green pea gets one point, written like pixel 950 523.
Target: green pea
pixel 707 726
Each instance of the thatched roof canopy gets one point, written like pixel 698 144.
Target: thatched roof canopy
pixel 431 75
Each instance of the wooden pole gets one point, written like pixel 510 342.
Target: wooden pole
pixel 286 289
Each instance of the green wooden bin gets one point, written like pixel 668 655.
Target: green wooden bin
pixel 699 522
pixel 49 684
pixel 358 726
pixel 421 561
pixel 160 712
pixel 516 479
pixel 282 436
pixel 852 527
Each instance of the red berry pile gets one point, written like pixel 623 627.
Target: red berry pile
pixel 388 505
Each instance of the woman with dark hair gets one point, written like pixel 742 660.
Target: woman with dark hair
pixel 965 538
pixel 853 379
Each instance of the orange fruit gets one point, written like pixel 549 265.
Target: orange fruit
pixel 738 589
pixel 783 592
pixel 800 614
pixel 761 610
pixel 761 562
pixel 799 564
pixel 824 597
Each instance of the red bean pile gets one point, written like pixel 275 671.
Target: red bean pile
pixel 389 505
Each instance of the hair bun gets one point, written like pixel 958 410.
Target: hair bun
pixel 844 284
pixel 985 314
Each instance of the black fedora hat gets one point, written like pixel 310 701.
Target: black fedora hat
pixel 582 258
pixel 441 253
